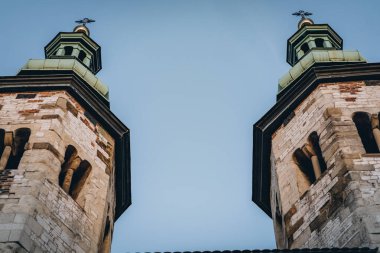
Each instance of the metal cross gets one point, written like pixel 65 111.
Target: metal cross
pixel 302 13
pixel 85 21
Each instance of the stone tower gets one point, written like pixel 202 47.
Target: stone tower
pixel 65 159
pixel 316 160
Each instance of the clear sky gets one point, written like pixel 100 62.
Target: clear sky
pixel 189 78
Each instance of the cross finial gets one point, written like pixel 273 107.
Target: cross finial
pixel 302 13
pixel 85 21
pixel 304 20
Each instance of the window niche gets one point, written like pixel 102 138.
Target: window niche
pixel 305 48
pixel 81 55
pixel 368 130
pixel 319 42
pixel 68 50
pixel 12 147
pixel 309 159
pixel 74 173
pixel 279 228
pixel 106 242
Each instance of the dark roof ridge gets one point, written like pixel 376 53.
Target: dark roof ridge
pixel 297 250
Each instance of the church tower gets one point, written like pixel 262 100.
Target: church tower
pixel 316 159
pixel 65 158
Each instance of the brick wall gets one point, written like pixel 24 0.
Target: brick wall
pixel 342 208
pixel 35 213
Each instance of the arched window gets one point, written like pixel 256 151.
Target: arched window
pixel 319 42
pixel 305 48
pixel 21 137
pixel 68 50
pixel 79 179
pixel 304 163
pixel 309 158
pixel 74 172
pixel 12 147
pixel 81 55
pixel 314 141
pixel 362 122
pixel 70 154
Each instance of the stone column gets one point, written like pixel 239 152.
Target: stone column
pixel 87 61
pixel 8 141
pixel 106 247
pixel 75 52
pixel 316 167
pixel 72 166
pixel 60 52
pixel 311 44
pixel 300 53
pixel 308 150
pixel 375 129
pixel 327 43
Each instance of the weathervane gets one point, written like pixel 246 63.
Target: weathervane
pixel 85 21
pixel 302 13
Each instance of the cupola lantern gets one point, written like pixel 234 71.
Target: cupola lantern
pixel 77 45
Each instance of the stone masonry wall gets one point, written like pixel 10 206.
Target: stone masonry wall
pixel 36 214
pixel 342 208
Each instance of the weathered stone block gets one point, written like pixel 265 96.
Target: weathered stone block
pixel 15 235
pixel 332 112
pixel 4 234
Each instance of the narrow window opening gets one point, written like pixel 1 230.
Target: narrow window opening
pixel 319 42
pixel 74 173
pixel 305 164
pixel 305 48
pixel 309 158
pixel 314 140
pixel 20 139
pixel 279 228
pixel 363 124
pixel 278 213
pixel 4 151
pixel 70 154
pixel 81 55
pixel 106 237
pixel 2 135
pixel 106 229
pixel 24 96
pixel 68 50
pixel 79 179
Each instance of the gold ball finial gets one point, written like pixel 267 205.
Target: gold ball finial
pixel 82 29
pixel 305 21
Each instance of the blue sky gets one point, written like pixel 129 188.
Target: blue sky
pixel 189 78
